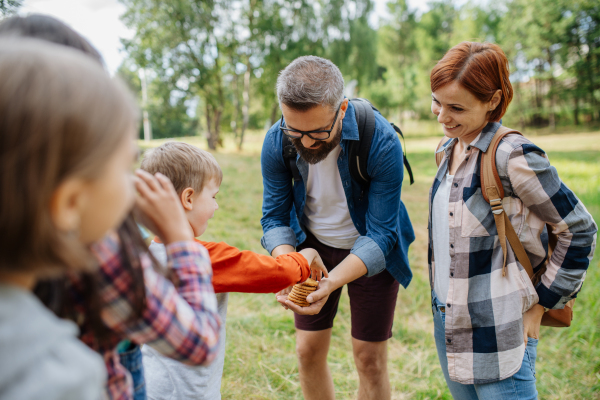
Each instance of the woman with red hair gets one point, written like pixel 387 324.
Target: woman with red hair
pixel 487 312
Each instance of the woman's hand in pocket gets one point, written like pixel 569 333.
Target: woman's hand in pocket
pixel 532 319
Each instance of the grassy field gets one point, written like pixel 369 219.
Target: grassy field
pixel 260 361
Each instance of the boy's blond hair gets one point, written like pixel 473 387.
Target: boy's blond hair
pixel 185 165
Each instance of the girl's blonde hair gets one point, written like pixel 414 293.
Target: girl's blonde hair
pixel 61 116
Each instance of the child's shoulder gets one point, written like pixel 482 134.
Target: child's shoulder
pixel 43 352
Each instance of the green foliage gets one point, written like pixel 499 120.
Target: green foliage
pixel 225 56
pixel 9 7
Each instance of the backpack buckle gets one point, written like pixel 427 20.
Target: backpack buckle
pixel 290 151
pixel 496 206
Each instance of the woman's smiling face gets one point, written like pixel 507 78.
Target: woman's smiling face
pixel 461 114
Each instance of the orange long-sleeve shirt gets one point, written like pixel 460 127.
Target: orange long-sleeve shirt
pixel 248 272
pixel 244 271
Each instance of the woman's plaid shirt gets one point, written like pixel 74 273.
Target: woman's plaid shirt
pixel 484 324
pixel 180 319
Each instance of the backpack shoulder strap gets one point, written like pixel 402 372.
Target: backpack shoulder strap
pixel 440 156
pixel 406 163
pixel 289 157
pixel 493 193
pixel 358 151
pixel 491 185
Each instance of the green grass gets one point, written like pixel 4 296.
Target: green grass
pixel 260 361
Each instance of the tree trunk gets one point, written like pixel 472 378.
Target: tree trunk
pixel 213 121
pixel 552 91
pixel 576 110
pixel 590 70
pixel 236 105
pixel 218 115
pixel 552 115
pixel 246 106
pixel 274 114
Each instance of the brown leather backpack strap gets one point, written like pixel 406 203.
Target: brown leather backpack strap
pixel 493 193
pixel 440 156
pixel 489 172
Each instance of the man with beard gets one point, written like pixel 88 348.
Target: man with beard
pixel 361 233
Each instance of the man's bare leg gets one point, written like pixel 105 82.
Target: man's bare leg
pixel 371 363
pixel 315 377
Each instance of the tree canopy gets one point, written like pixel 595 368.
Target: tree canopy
pixel 213 64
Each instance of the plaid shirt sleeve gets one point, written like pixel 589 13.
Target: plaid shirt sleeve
pixel 180 319
pixel 540 189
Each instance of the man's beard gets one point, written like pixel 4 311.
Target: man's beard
pixel 318 154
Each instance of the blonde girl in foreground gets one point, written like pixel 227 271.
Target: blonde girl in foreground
pixel 66 155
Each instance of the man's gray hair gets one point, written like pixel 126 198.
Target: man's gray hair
pixel 310 81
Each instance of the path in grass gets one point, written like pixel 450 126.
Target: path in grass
pixel 260 361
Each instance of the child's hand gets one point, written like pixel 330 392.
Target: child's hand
pixel 318 269
pixel 282 295
pixel 159 208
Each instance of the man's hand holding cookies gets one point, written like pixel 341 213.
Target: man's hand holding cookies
pixel 294 297
pixel 297 299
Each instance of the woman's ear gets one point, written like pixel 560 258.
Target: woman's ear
pixel 186 198
pixel 496 98
pixel 66 205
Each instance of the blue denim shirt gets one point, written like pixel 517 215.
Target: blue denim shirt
pixel 378 214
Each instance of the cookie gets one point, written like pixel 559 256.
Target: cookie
pixel 296 297
pixel 299 302
pixel 310 282
pixel 302 290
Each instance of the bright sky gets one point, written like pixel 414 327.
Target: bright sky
pixel 98 21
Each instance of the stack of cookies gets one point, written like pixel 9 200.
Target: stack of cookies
pixel 301 290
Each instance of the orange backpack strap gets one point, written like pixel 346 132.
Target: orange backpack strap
pixel 493 193
pixel 440 156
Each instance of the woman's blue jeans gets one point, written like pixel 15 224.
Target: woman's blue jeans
pixel 132 360
pixel 520 386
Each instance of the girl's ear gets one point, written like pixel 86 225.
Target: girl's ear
pixel 67 203
pixel 186 199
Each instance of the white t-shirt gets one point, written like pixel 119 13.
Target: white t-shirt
pixel 170 379
pixel 441 238
pixel 326 212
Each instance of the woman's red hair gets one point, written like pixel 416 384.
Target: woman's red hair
pixel 482 68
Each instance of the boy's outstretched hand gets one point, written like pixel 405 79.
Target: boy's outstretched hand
pixel 317 268
pixel 159 209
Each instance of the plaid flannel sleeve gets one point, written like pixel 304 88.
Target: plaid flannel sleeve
pixel 540 189
pixel 180 319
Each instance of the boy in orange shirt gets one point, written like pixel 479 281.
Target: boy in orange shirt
pixel 196 176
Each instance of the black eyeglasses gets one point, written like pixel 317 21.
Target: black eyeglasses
pixel 314 135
